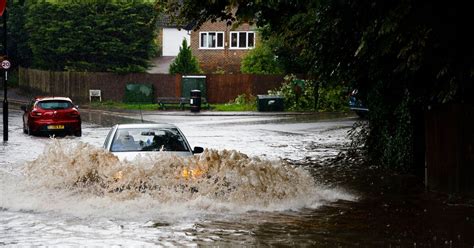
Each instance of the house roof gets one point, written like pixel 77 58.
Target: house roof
pixel 165 20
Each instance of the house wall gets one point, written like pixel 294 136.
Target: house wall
pixel 212 60
pixel 172 39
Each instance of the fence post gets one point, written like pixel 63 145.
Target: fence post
pixel 177 81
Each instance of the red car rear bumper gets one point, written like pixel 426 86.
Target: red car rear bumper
pixel 45 125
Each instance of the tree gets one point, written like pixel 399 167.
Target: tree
pixel 113 36
pixel 405 55
pixel 261 60
pixel 185 62
pixel 18 50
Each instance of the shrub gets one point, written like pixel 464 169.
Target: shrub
pixel 115 36
pixel 260 60
pixel 185 62
pixel 299 96
pixel 242 102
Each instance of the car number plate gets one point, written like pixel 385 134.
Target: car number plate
pixel 56 127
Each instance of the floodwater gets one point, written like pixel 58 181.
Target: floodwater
pixel 263 181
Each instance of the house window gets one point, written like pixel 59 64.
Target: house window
pixel 211 40
pixel 242 40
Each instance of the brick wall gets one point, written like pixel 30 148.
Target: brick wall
pixel 212 60
pixel 159 41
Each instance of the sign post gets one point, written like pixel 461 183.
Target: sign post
pixel 5 66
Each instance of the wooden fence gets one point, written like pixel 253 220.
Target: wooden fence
pixel 450 149
pixel 220 88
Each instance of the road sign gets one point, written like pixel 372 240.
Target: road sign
pixel 6 64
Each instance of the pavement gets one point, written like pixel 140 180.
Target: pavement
pixel 17 97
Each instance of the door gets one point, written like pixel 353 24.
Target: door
pixel 172 39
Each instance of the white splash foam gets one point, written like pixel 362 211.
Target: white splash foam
pixel 80 179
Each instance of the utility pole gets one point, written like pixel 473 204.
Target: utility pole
pixel 5 65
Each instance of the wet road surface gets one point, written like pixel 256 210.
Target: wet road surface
pixel 323 205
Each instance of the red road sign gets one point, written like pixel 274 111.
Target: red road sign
pixel 3 4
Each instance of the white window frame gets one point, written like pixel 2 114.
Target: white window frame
pixel 207 43
pixel 238 40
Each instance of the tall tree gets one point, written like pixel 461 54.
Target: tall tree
pixel 114 36
pixel 18 50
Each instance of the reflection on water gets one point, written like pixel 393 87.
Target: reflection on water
pixel 106 119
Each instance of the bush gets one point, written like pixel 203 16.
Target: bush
pixel 391 132
pixel 242 102
pixel 185 62
pixel 260 60
pixel 299 96
pixel 332 99
pixel 114 36
pixel 13 78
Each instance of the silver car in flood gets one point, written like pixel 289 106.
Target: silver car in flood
pixel 127 141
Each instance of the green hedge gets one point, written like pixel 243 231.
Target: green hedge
pixel 113 36
pixel 299 96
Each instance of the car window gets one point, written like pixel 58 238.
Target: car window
pixel 109 136
pixel 54 104
pixel 139 139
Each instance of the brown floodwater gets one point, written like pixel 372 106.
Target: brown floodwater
pixel 264 181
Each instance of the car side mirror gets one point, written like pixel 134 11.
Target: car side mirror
pixel 23 107
pixel 77 106
pixel 198 149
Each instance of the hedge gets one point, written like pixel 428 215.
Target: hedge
pixel 107 36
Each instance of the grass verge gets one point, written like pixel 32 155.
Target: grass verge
pixel 233 107
pixel 154 106
pixel 125 106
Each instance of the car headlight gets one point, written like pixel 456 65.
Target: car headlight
pixel 118 176
pixel 191 173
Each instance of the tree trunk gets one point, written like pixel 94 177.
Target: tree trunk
pixel 316 94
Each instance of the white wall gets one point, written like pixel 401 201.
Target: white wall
pixel 172 39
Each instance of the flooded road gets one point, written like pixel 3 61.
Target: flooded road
pixel 269 182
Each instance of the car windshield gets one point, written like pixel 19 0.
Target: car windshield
pixel 55 104
pixel 139 139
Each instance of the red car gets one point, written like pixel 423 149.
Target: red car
pixel 51 115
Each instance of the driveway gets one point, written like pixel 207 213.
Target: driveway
pixel 161 64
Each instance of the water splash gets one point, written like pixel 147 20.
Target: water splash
pixel 216 180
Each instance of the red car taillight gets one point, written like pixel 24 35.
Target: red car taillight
pixel 74 114
pixel 36 113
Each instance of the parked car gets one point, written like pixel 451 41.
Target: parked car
pixel 356 104
pixel 127 141
pixel 51 115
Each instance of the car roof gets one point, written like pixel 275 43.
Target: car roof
pixel 45 98
pixel 146 125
